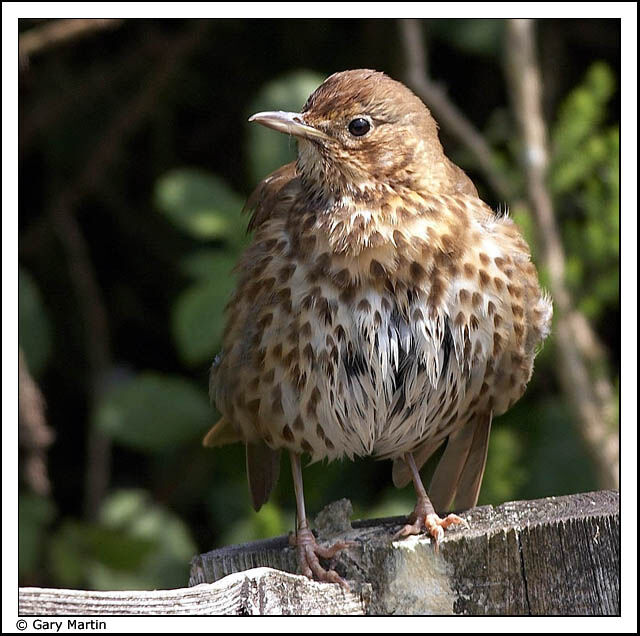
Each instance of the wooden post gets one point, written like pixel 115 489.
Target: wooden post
pixel 554 556
pixel 559 555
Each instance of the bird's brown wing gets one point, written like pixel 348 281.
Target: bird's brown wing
pixel 228 375
pixel 263 199
pixel 458 475
pixel 263 469
pixel 220 434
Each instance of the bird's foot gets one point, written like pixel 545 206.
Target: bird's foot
pixel 424 518
pixel 308 551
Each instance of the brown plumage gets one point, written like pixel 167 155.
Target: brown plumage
pixel 381 309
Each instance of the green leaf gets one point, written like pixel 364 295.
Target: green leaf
pixel 136 544
pixel 35 513
pixel 268 150
pixel 133 514
pixel 77 547
pixel 210 264
pixel 270 522
pixel 201 205
pixel 68 555
pixel 153 412
pixel 505 472
pixel 198 315
pixel 34 329
pixel 472 35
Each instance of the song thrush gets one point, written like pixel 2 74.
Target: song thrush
pixel 381 309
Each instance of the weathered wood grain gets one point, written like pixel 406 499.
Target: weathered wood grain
pixel 260 591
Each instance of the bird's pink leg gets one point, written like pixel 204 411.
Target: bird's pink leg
pixel 424 516
pixel 307 548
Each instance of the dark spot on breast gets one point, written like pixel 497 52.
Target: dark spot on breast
pixel 376 239
pixel 340 333
pixel 497 344
pixel 324 311
pixel 515 290
pixel 322 264
pixel 348 294
pixel 436 291
pixel 376 269
pixel 309 354
pixel 305 330
pixel 291 357
pixel 309 222
pixel 342 278
pixel 399 239
pixel 364 306
pixel 265 321
pixel 267 284
pixel 417 272
pixel 286 273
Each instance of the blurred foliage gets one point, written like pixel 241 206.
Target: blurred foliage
pixel 585 179
pixel 142 412
pixel 135 545
pixel 164 237
pixel 34 330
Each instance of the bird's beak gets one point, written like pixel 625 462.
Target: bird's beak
pixel 290 123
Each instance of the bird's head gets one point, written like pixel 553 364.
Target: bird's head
pixel 360 134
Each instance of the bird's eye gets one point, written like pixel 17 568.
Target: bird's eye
pixel 359 126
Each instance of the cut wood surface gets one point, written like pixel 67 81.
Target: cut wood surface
pixel 554 556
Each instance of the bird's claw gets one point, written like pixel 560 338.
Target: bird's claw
pixel 308 551
pixel 433 524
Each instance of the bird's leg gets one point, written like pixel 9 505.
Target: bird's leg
pixel 424 516
pixel 304 541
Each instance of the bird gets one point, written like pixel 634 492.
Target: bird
pixel 381 309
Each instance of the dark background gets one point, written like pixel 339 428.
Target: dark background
pixel 132 135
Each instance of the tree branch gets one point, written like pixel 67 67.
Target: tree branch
pixel 57 32
pixel 591 400
pixel 34 435
pixel 445 111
